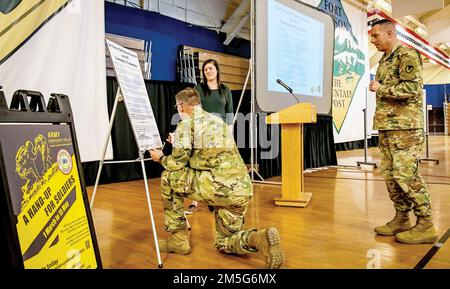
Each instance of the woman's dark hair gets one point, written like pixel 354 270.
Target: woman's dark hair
pixel 204 84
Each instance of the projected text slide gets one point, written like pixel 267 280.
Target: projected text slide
pixel 295 51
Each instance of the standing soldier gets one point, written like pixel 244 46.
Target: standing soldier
pixel 400 122
pixel 205 165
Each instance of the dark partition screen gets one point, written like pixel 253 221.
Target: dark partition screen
pixel 319 142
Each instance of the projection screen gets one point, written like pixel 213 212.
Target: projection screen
pixel 293 42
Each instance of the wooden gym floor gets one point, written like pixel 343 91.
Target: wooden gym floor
pixel 334 231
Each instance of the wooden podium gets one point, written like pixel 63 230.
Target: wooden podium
pixel 292 120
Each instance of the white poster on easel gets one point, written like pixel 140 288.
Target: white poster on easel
pixel 132 86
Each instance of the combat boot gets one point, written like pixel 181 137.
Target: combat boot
pixel 423 232
pixel 267 242
pixel 177 243
pixel 400 223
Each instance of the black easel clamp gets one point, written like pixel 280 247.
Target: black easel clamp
pixel 3 104
pixel 36 102
pixel 56 102
pixel 19 101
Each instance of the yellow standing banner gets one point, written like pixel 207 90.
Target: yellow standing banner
pixel 47 198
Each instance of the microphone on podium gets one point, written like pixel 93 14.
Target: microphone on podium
pixel 280 82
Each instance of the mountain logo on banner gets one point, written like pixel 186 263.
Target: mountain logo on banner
pixel 349 62
pixel 20 20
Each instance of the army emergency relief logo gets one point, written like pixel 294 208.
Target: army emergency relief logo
pixel 64 161
pixel 20 19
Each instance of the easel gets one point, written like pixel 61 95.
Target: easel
pixel 252 127
pixel 119 98
pixel 366 146
pixel 133 93
pixel 365 162
pixel 427 145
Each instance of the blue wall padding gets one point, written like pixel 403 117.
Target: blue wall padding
pixel 436 94
pixel 166 34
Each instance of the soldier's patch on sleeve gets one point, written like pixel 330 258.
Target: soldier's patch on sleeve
pixel 409 70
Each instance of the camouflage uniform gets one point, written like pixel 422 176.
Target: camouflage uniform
pixel 206 166
pixel 400 121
